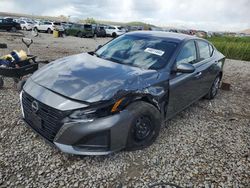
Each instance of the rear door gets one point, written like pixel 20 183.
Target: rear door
pixel 205 65
pixel 184 87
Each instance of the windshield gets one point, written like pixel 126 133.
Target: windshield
pixel 143 52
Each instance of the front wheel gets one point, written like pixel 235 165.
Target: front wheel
pixel 214 89
pixel 145 126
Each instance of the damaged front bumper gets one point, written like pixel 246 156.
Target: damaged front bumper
pixel 100 137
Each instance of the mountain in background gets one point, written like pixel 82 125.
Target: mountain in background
pixel 247 31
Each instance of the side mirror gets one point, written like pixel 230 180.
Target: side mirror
pixel 185 68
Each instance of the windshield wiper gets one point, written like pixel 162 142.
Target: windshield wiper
pixel 97 55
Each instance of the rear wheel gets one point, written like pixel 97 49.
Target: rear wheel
pixel 214 89
pixel 114 34
pixel 145 126
pixel 13 29
pixel 79 35
pixel 49 31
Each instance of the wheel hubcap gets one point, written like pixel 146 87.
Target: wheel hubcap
pixel 142 128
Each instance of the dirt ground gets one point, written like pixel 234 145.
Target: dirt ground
pixel 207 145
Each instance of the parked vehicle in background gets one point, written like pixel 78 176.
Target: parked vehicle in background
pixel 118 96
pixel 26 25
pixel 48 26
pixel 9 25
pixel 114 31
pixel 80 30
pixel 99 31
pixel 66 25
pixel 9 19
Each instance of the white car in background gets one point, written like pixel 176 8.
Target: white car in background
pixel 26 25
pixel 48 26
pixel 114 31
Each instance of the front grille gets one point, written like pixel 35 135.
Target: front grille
pixel 50 119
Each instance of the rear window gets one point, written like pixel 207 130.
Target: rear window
pixel 204 50
pixel 88 26
pixel 57 23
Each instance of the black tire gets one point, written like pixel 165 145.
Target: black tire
pixel 114 34
pixel 1 82
pixel 145 125
pixel 13 29
pixel 49 31
pixel 24 28
pixel 79 35
pixel 20 85
pixel 35 29
pixel 214 89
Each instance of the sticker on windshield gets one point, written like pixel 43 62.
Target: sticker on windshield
pixel 154 51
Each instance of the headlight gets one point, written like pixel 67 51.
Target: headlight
pixel 89 115
pixel 83 115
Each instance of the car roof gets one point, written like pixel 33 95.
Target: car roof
pixel 177 37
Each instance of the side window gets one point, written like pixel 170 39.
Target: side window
pixel 1 21
pixel 187 54
pixel 204 50
pixel 22 22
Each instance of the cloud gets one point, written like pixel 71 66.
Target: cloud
pixel 198 14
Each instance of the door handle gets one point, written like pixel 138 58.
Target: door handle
pixel 198 74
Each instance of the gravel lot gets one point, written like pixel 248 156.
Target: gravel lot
pixel 207 145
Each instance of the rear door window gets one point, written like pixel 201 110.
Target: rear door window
pixel 203 49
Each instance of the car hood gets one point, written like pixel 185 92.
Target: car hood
pixel 91 79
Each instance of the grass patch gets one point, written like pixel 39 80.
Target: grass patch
pixel 233 47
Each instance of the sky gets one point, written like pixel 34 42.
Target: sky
pixel 209 15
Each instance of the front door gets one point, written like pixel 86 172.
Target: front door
pixel 184 88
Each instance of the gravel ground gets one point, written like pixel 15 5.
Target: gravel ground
pixel 207 145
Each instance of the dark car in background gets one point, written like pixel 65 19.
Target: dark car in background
pixel 99 31
pixel 9 25
pixel 118 96
pixel 80 30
